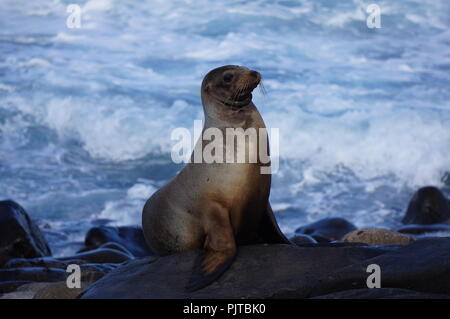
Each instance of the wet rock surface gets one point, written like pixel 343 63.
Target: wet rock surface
pixel 427 206
pixel 27 270
pixel 377 236
pixel 327 230
pixel 129 237
pixel 283 271
pixel 19 235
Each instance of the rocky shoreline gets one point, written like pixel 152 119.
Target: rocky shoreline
pixel 328 259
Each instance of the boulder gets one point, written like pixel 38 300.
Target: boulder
pixel 289 271
pixel 131 238
pixel 259 271
pixel 427 206
pixel 422 266
pixel 328 229
pixel 302 239
pixel 377 236
pixel 19 235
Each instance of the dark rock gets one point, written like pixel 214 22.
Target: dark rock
pixel 45 262
pixel 4 260
pixel 381 293
pixel 288 271
pixel 116 246
pixel 33 274
pixel 101 268
pixel 19 235
pixel 328 229
pixel 132 238
pixel 427 206
pixel 88 272
pixel 333 244
pixel 416 229
pixel 423 266
pixel 377 236
pixel 100 255
pixel 25 291
pixel 59 290
pixel 303 239
pixel 47 283
pixel 259 271
pixel 9 286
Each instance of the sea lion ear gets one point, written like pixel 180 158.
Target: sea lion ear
pixel 207 88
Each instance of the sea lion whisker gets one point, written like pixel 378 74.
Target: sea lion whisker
pixel 262 89
pixel 237 93
pixel 245 86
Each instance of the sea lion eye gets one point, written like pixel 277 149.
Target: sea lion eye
pixel 227 77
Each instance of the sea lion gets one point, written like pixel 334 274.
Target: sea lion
pixel 216 206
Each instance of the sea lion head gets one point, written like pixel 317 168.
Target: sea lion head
pixel 230 86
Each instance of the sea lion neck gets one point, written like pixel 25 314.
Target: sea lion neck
pixel 235 104
pixel 218 114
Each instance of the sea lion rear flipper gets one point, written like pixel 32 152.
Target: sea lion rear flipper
pixel 219 251
pixel 199 279
pixel 268 229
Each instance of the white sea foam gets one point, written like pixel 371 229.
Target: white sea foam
pixel 128 210
pixel 5 87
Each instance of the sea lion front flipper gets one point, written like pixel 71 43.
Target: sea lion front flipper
pixel 268 229
pixel 218 253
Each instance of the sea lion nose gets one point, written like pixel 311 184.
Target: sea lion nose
pixel 256 76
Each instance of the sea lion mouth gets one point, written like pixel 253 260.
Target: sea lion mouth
pixel 241 102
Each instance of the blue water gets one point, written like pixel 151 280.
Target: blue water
pixel 86 114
